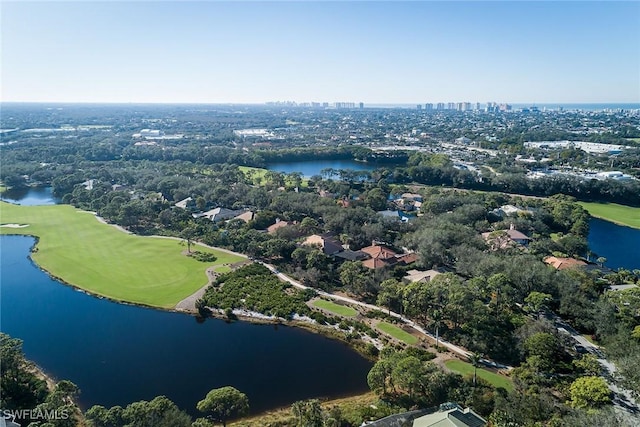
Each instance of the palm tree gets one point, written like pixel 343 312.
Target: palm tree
pixel 436 321
pixel 474 359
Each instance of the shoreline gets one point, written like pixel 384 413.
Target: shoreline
pixel 241 315
pixel 613 221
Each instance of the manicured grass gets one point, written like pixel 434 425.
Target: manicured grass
pixel 341 310
pixel 261 173
pixel 397 332
pixel 223 269
pixel 254 172
pixel 465 368
pixel 619 214
pixel 80 250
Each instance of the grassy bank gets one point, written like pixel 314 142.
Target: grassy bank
pixel 397 333
pixel 75 247
pixel 350 408
pixel 464 368
pixel 334 308
pixel 619 214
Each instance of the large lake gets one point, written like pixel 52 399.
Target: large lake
pixel 314 167
pixel 119 353
pixel 619 245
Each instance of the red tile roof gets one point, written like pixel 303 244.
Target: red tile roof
pixel 380 252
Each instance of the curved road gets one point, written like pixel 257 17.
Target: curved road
pixel 454 348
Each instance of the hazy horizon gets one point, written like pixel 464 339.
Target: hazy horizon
pixel 215 52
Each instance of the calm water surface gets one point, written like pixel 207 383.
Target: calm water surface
pixel 118 353
pixel 314 167
pixel 619 245
pixel 30 196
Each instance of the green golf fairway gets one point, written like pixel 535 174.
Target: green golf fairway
pixel 75 247
pixel 619 214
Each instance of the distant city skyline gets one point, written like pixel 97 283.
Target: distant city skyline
pixel 350 52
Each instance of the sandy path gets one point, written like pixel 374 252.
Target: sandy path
pixel 189 303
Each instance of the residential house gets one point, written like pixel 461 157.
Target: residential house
pixel 505 238
pixel 246 216
pixel 414 276
pixel 218 214
pixel 397 215
pixel 560 263
pixel 379 252
pixel 509 210
pixel 380 256
pixel 407 259
pixel 328 244
pixel 184 203
pixel 517 236
pixel 277 225
pixel 376 263
pixel 454 416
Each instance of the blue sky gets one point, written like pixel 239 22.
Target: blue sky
pixel 374 52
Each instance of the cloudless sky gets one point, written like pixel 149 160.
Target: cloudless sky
pixel 352 51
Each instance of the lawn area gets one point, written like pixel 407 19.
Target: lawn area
pixel 397 332
pixel 619 214
pixel 334 308
pixel 74 246
pixel 253 172
pixel 260 174
pixel 465 369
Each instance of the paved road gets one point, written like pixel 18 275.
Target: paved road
pixel 623 400
pixel 454 348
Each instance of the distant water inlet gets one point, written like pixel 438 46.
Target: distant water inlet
pixel 30 196
pixel 618 244
pixel 316 167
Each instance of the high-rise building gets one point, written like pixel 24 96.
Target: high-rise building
pixel 451 106
pixel 362 105
pixel 419 106
pixel 440 106
pixel 428 106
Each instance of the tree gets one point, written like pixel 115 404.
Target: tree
pixel 224 403
pixel 589 364
pixel 21 388
pixel 589 392
pixel 308 413
pixel 474 359
pixel 536 301
pixel 188 234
